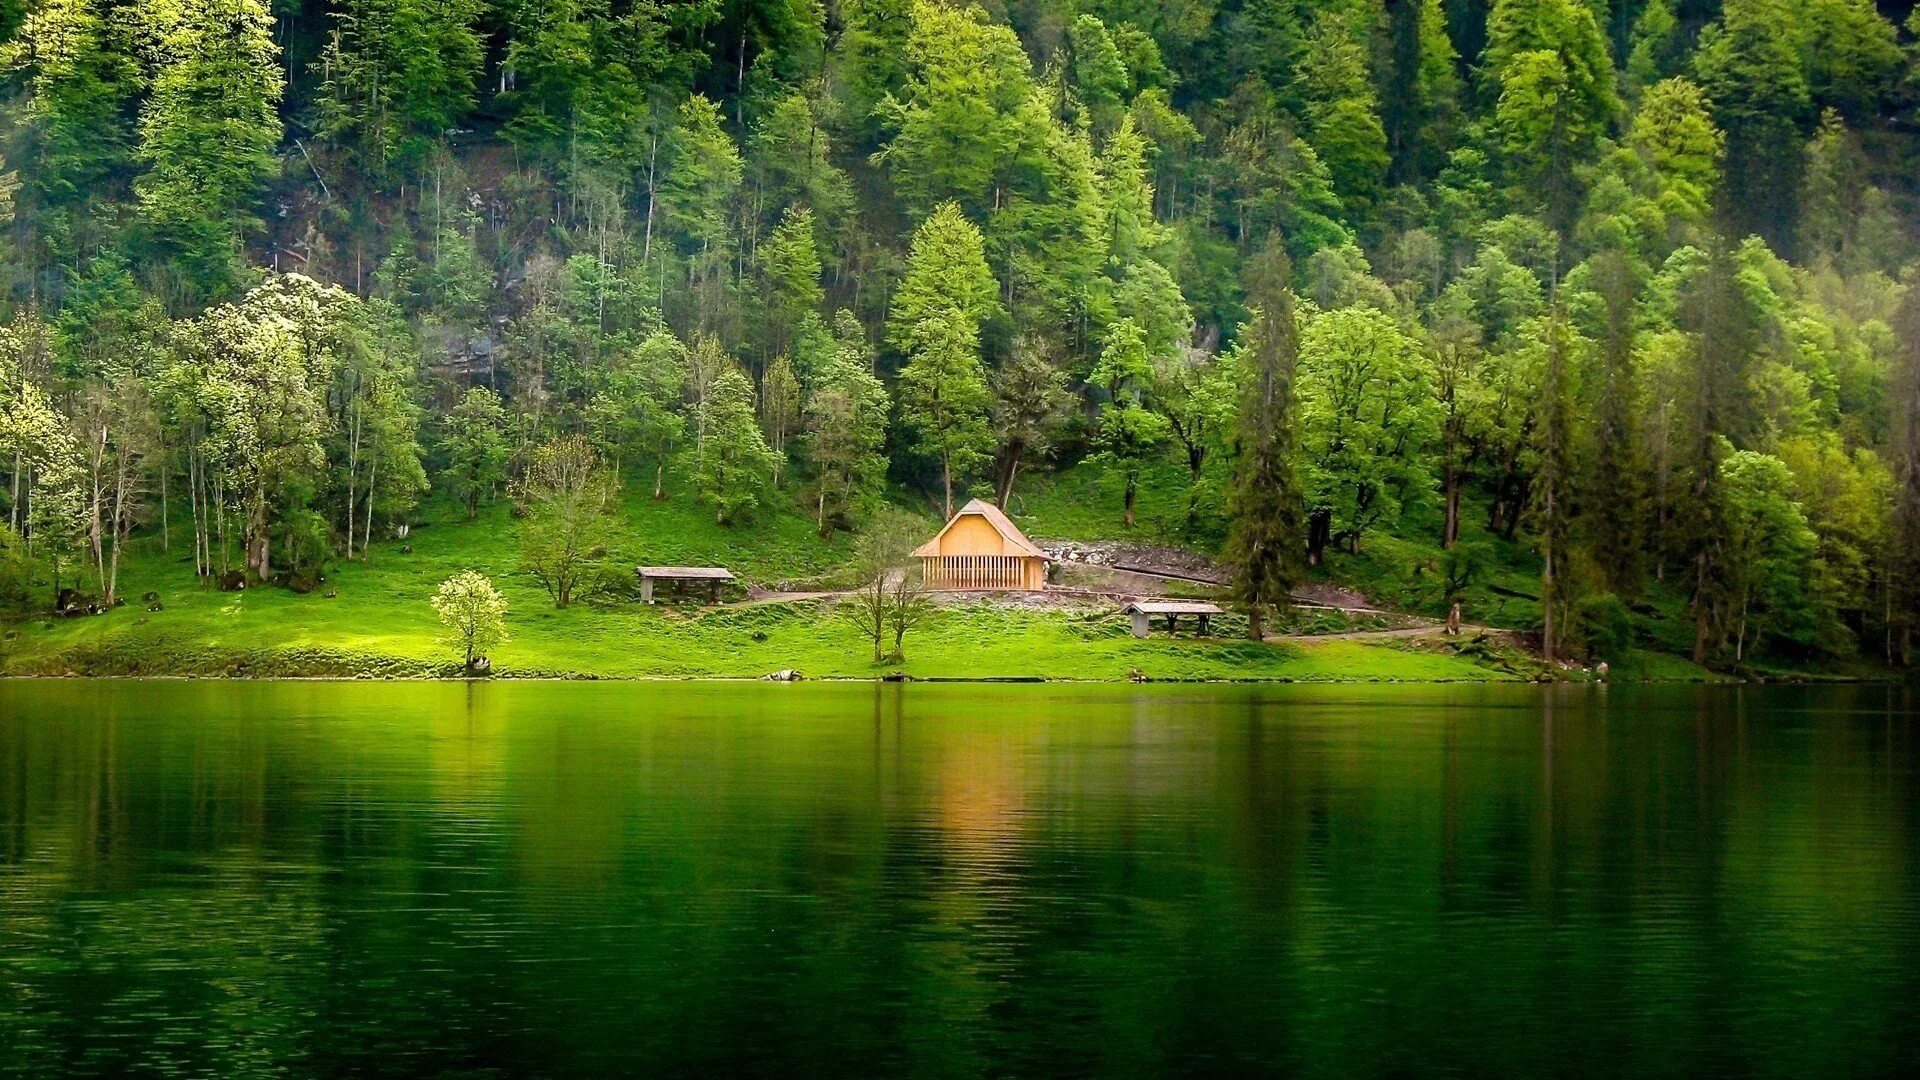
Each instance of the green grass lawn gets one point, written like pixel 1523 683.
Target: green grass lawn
pixel 377 620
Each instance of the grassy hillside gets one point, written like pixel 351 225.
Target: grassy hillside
pixel 372 618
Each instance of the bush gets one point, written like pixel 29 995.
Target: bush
pixel 16 572
pixel 1604 628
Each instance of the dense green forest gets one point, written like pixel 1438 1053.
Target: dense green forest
pixel 1614 291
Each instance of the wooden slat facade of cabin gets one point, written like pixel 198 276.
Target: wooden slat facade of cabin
pixel 969 572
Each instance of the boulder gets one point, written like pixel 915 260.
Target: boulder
pixel 783 675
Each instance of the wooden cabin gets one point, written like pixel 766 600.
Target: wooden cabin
pixel 981 550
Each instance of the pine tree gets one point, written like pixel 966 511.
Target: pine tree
pixel 208 130
pixel 398 74
pixel 943 398
pixel 1553 486
pixel 69 131
pixel 1751 68
pixel 1903 552
pixel 1614 495
pixel 946 273
pixel 1724 328
pixel 1265 538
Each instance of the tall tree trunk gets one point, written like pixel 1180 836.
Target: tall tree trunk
pixel 946 482
pixel 1450 534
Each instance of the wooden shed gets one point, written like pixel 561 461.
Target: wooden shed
pixel 980 549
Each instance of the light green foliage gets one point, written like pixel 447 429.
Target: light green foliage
pixel 474 440
pixel 792 153
pixel 790 269
pixel 1548 63
pixel 1099 73
pixel 1343 114
pixel 45 497
pixel 398 74
pixel 1770 555
pixel 1847 498
pixel 701 174
pixel 634 413
pixel 781 402
pixel 846 420
pixel 1366 420
pixel 943 397
pixel 1127 193
pixel 961 118
pixel 1128 435
pixel 376 447
pixel 208 130
pixel 1053 231
pixel 736 472
pixel 1674 135
pixel 69 129
pixel 473 613
pixel 568 493
pixel 946 274
pixel 1030 409
pixel 255 375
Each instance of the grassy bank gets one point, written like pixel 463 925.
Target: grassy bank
pixel 372 619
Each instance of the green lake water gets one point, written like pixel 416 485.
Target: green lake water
pixel 248 879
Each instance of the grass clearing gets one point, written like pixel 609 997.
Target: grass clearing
pixel 372 619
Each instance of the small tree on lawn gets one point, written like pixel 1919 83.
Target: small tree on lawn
pixel 474 613
pixel 567 492
pixel 882 559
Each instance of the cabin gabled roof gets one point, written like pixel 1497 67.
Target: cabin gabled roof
pixel 1016 541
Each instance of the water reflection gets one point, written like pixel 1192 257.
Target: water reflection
pixel 241 879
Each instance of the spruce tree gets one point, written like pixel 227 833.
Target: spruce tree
pixel 1903 556
pixel 1615 487
pixel 1265 539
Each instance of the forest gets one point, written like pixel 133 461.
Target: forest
pixel 1618 295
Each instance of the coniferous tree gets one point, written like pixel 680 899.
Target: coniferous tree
pixel 1903 553
pixel 69 129
pixel 207 130
pixel 1614 499
pixel 398 74
pixel 944 399
pixel 1724 329
pixel 1750 66
pixel 1265 537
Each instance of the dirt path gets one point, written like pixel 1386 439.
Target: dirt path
pixel 1436 630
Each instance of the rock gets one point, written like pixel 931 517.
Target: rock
pixel 481 666
pixel 783 675
pixel 156 606
pixel 1135 675
pixel 150 597
pixel 331 593
pixel 406 549
pixel 896 676
pixel 233 581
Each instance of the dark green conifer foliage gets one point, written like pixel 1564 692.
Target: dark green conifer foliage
pixel 1266 540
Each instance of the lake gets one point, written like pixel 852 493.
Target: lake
pixel 242 879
